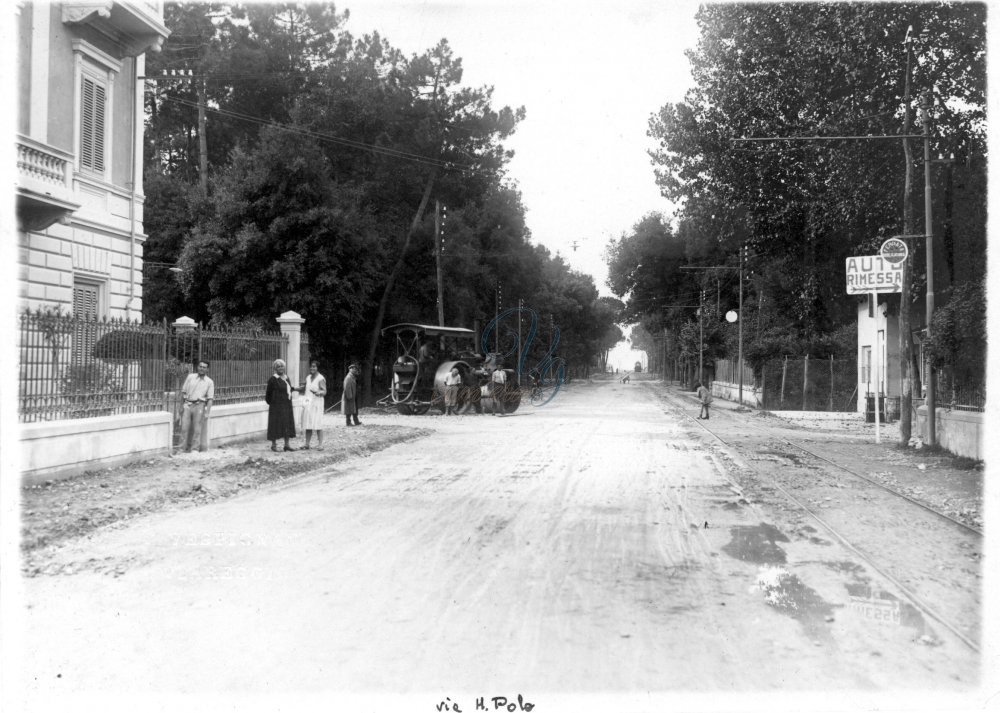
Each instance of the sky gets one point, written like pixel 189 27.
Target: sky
pixel 589 75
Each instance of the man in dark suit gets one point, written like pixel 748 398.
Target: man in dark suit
pixel 349 403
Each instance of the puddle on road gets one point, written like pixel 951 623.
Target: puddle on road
pixel 879 608
pixel 846 567
pixel 786 593
pixel 756 543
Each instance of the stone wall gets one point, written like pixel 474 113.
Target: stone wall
pixel 61 449
pixel 961 432
pixel 731 392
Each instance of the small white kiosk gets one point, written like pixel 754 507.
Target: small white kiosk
pixel 872 275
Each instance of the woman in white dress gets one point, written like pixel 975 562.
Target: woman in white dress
pixel 312 414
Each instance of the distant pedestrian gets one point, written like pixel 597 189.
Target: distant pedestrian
pixel 705 396
pixel 452 382
pixel 280 419
pixel 349 403
pixel 312 413
pixel 499 381
pixel 472 392
pixel 198 392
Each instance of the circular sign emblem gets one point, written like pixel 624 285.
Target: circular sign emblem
pixel 894 251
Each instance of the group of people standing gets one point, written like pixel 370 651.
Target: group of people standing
pixel 278 396
pixel 198 394
pixel 454 382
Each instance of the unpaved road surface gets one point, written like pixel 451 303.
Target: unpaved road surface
pixel 602 543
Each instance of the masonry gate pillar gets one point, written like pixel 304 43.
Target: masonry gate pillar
pixel 291 326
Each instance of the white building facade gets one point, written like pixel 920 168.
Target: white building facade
pixel 79 153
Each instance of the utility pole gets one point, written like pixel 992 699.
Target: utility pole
pixel 925 117
pixel 496 317
pixel 701 337
pixel 905 320
pixel 202 138
pixel 739 317
pixel 438 244
pixel 520 349
pixel 739 320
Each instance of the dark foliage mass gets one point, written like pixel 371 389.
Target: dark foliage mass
pixel 793 211
pixel 312 180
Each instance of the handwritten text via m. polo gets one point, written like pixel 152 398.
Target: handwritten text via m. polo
pixel 496 703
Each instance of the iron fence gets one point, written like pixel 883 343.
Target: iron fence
pixel 305 356
pixel 957 397
pixel 80 367
pixel 239 359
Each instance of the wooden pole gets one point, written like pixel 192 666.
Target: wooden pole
pixel 831 382
pixel 805 383
pixel 784 373
pixel 437 259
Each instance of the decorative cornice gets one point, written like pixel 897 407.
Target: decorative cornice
pixel 136 28
pixel 134 46
pixel 97 55
pixel 75 12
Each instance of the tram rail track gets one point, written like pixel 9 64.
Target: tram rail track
pixel 914 597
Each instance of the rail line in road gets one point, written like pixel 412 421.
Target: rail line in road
pixel 928 508
pixel 908 592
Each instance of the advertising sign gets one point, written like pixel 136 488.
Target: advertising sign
pixel 894 251
pixel 873 273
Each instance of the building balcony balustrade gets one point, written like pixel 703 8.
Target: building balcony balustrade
pixel 44 184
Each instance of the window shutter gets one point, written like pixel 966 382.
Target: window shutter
pixel 92 110
pixel 85 300
pixel 85 333
pixel 99 103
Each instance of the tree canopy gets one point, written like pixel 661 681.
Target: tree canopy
pixel 326 156
pixel 797 209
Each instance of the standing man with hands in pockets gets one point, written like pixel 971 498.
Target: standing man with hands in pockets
pixel 349 402
pixel 198 392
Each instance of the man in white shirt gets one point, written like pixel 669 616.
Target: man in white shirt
pixel 198 392
pixel 499 380
pixel 451 383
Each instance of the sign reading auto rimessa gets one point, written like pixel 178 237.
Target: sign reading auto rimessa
pixel 873 273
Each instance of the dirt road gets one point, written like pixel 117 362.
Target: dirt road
pixel 596 544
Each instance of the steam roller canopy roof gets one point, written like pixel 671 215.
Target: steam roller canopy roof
pixel 431 330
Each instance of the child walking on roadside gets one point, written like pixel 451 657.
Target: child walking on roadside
pixel 705 396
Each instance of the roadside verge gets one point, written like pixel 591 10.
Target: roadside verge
pixel 55 511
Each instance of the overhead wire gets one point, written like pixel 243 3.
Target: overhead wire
pixel 330 138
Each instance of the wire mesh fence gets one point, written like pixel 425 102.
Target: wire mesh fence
pixel 728 370
pixel 810 384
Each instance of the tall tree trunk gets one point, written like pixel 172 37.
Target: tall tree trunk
pixel 366 375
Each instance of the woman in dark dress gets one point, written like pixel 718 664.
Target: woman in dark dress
pixel 280 420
